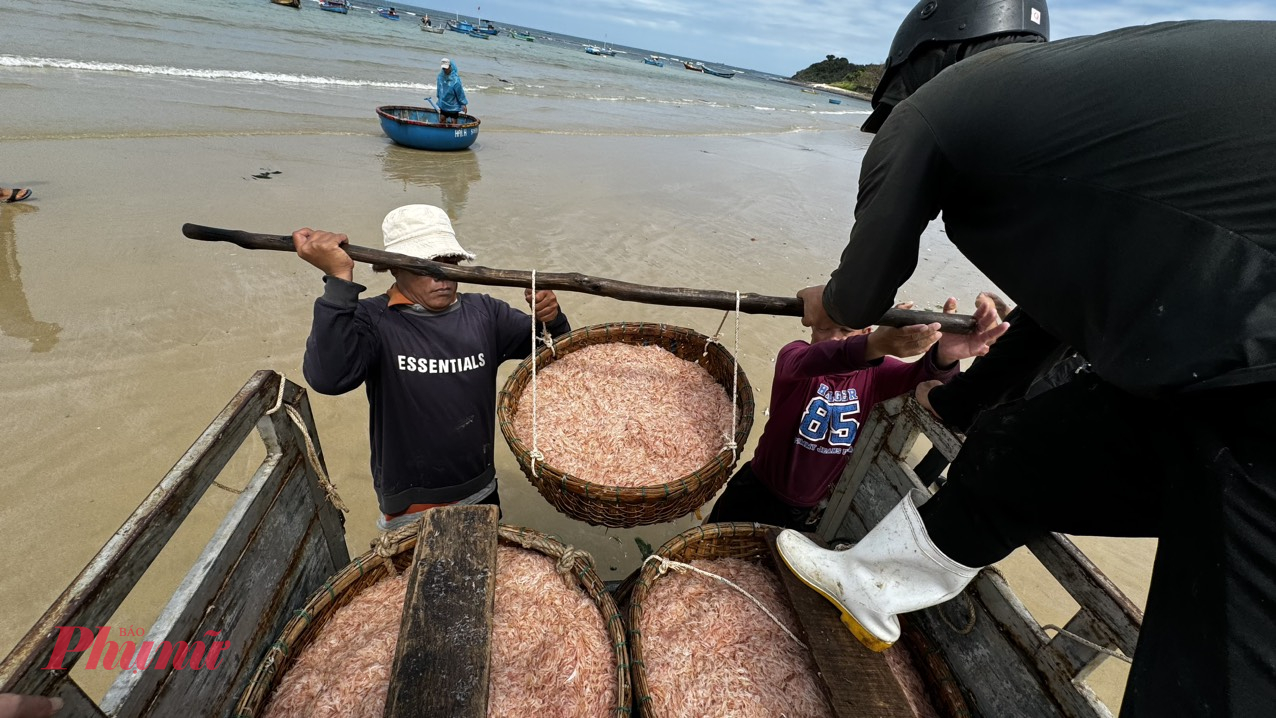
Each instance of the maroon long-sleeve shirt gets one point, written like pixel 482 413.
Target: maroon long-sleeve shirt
pixel 821 395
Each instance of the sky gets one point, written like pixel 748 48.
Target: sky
pixel 785 36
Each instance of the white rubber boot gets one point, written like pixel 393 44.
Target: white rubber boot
pixel 894 569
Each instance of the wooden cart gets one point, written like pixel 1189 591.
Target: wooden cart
pixel 1003 659
pixel 280 541
pixel 283 538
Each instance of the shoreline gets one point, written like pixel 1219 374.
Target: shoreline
pixel 828 88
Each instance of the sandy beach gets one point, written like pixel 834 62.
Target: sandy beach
pixel 132 337
pixel 121 339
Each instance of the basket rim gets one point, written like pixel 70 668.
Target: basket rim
pixel 650 572
pixel 398 547
pixel 657 493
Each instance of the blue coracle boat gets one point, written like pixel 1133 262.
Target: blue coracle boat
pixel 420 128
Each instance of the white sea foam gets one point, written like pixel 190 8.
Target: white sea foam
pixel 200 73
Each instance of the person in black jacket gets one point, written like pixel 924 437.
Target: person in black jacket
pixel 1024 363
pixel 427 357
pixel 1118 188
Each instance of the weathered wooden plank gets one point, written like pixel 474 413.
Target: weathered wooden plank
pixel 996 680
pixel 982 656
pixel 134 689
pixel 871 438
pixel 243 586
pixel 902 436
pixel 940 436
pixel 856 681
pixel 852 528
pixel 441 664
pixel 93 597
pixel 75 703
pixel 1090 588
pixel 855 523
pixel 1002 658
pixel 280 424
pixel 1075 700
pixel 900 476
pixel 878 495
pixel 253 618
pixel 894 405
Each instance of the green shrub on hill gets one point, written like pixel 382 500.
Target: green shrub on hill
pixel 839 72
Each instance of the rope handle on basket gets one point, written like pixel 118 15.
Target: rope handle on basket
pixel 735 376
pixel 547 339
pixel 535 454
pixel 566 565
pixel 717 335
pixel 383 545
pixel 311 454
pixel 667 564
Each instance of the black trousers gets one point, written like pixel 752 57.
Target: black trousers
pixel 746 498
pixel 1196 471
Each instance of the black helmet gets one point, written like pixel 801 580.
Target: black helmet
pixel 955 21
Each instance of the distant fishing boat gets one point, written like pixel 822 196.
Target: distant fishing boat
pixel 421 128
pixel 519 35
pixel 693 66
pixel 478 34
pixel 433 29
pixel 603 51
pixel 653 60
pixel 717 73
pixel 340 6
pixel 461 26
pixel 388 13
pixel 288 3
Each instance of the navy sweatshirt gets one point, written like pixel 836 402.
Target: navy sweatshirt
pixel 431 384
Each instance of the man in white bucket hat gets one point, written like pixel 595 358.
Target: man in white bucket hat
pixel 427 356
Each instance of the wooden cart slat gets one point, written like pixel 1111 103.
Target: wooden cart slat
pixel 242 584
pixel 1004 660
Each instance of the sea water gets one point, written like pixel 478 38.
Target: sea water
pixel 254 67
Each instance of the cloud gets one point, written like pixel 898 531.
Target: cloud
pixel 783 38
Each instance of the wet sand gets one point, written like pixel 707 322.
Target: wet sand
pixel 121 339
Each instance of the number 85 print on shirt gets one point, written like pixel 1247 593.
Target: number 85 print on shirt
pixel 831 416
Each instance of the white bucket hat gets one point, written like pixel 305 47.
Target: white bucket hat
pixel 423 231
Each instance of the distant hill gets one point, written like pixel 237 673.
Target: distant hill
pixel 839 72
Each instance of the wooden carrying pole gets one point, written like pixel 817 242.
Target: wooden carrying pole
pixel 573 282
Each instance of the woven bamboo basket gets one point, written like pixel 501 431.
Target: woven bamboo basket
pixel 617 506
pixel 748 541
pixel 397 547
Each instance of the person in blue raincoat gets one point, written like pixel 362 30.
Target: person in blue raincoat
pixel 451 94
